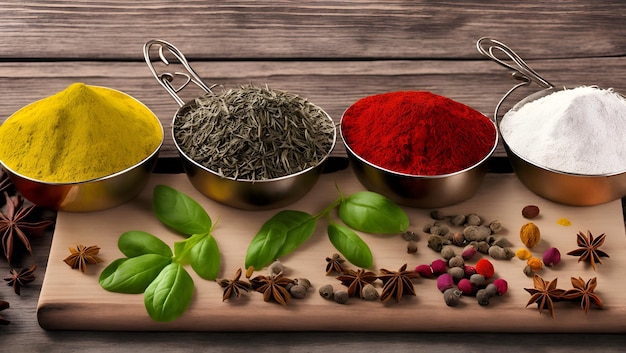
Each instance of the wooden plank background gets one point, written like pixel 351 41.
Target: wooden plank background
pixel 333 52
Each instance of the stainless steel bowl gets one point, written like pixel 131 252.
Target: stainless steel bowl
pixel 565 188
pixel 243 194
pixel 562 187
pixel 90 195
pixel 250 194
pixel 418 190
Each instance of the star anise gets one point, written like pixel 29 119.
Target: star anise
pixel 234 287
pixel 583 291
pixel 272 287
pixel 4 305
pixel 82 255
pixel 397 283
pixel 356 280
pixel 14 223
pixel 21 278
pixel 544 294
pixel 589 248
pixel 335 264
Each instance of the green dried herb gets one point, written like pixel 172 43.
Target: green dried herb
pixel 254 133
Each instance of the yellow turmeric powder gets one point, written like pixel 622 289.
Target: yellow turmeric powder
pixel 79 134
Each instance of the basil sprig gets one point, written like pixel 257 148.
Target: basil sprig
pixel 150 266
pixel 364 211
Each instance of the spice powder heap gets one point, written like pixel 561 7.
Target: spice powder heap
pixel 254 133
pixel 417 133
pixel 579 130
pixel 81 133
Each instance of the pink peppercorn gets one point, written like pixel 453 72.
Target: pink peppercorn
pixel 502 286
pixel 444 282
pixel 438 267
pixel 469 252
pixel 552 256
pixel 485 268
pixel 469 270
pixel 466 287
pixel 424 271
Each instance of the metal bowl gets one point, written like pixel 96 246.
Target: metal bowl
pixel 244 194
pixel 558 186
pixel 565 188
pixel 421 191
pixel 91 195
pixel 250 194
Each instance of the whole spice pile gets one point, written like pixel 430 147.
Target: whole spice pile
pixel 579 131
pixel 254 133
pixel 81 133
pixel 417 133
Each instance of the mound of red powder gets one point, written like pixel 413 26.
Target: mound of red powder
pixel 417 132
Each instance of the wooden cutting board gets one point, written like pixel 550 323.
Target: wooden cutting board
pixel 73 300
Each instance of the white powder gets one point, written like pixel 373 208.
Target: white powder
pixel 580 131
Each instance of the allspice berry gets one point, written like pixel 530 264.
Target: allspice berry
pixel 277 267
pixel 370 292
pixel 411 247
pixel 298 291
pixel 341 296
pixel 452 296
pixel 327 291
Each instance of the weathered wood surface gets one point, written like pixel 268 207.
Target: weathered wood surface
pixel 333 85
pixel 309 29
pixel 333 52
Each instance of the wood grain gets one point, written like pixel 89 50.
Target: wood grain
pixel 312 29
pixel 73 300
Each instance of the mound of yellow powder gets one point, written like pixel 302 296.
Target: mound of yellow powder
pixel 81 133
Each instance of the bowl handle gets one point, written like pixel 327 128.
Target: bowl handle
pixel 521 71
pixel 166 78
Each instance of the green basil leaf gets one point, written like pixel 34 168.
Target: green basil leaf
pixel 204 257
pixel 132 275
pixel 135 243
pixel 370 212
pixel 169 295
pixel 266 244
pixel 179 211
pixel 350 245
pixel 183 248
pixel 301 228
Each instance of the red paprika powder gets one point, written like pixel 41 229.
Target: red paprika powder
pixel 417 133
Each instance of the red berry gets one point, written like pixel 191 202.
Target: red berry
pixel 465 286
pixel 439 266
pixel 485 268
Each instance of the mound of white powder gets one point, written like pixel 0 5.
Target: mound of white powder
pixel 580 131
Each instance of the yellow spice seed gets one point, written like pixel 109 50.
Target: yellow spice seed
pixel 564 222
pixel 530 235
pixel 535 264
pixel 523 254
